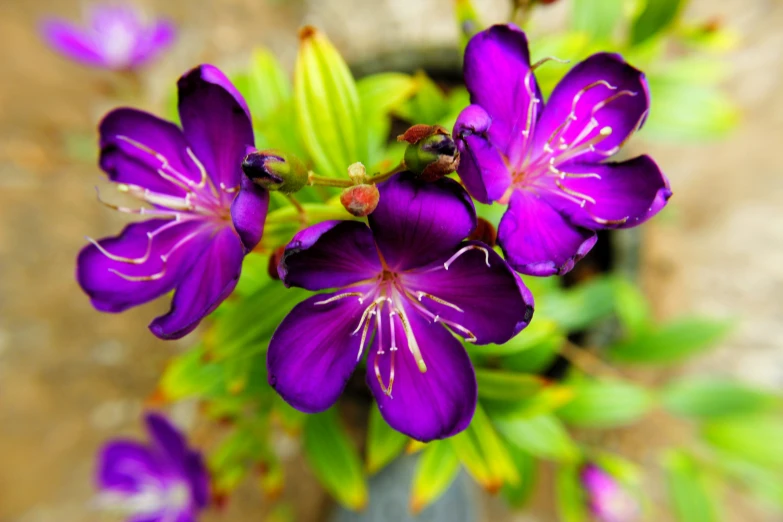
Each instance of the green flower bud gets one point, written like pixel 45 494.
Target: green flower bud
pixel 274 170
pixel 431 152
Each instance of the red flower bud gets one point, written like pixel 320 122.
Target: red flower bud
pixel 360 200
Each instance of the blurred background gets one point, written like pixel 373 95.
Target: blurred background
pixel 71 377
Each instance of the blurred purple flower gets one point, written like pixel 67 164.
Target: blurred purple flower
pixel 608 501
pixel 206 214
pixel 404 285
pixel 163 481
pixel 547 163
pixel 115 37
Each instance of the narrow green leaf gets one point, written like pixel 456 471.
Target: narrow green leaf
pixel 689 494
pixel 334 461
pixel 384 92
pixel 484 453
pixel 571 501
pixel 670 343
pixel 596 18
pixel 428 105
pixel 754 438
pixel 710 397
pixel 493 384
pixel 654 19
pixel 436 470
pixel 192 375
pixel 327 106
pixel 542 436
pixel 517 495
pixel 606 404
pixel 632 308
pixel 547 400
pixel 539 331
pixel 580 306
pixel 268 85
pixel 384 443
pixel 535 359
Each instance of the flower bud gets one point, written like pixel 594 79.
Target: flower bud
pixel 360 200
pixel 431 152
pixel 274 170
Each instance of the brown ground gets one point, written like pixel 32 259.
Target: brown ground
pixel 71 377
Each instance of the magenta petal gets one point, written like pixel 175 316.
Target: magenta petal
pixel 125 466
pixel 432 405
pixel 110 292
pixel 248 212
pixel 417 222
pixel 210 280
pixel 622 115
pixel 136 146
pixel 216 122
pixel 493 304
pixel 499 79
pixel 314 351
pixel 626 195
pixel 72 41
pixel 538 240
pixel 198 477
pixel 330 254
pixel 167 439
pixel 153 40
pixel 481 166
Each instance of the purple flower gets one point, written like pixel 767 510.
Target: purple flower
pixel 164 481
pixel 205 214
pixel 608 500
pixel 116 37
pixel 548 162
pixel 403 286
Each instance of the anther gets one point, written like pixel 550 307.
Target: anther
pixel 462 250
pixel 421 295
pixel 135 279
pixel 338 297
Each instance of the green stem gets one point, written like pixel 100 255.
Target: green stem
pixel 314 179
pixel 383 177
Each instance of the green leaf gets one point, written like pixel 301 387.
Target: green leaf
pixel 535 359
pixel 631 307
pixel 597 18
pixel 670 343
pixel 542 436
pixel 334 461
pixel 436 470
pixel 571 501
pixel 517 495
pixel 710 397
pixel 606 404
pixel 547 400
pixel 689 494
pixel 580 306
pixel 539 331
pixel 384 92
pixel 428 105
pixel 484 454
pixel 268 85
pixel 468 20
pixel 754 438
pixel 327 106
pixel 192 375
pixel 384 443
pixel 656 17
pixel 506 386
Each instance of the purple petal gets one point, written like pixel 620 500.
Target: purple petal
pixel 167 439
pixel 330 254
pixel 418 222
pixel 537 240
pixel 248 212
pixel 314 351
pixel 216 122
pixel 626 195
pixel 210 280
pixel 481 167
pixel 125 465
pixel 154 40
pixel 493 304
pixel 499 78
pixel 136 146
pixel 432 405
pixel 621 108
pixel 110 292
pixel 72 41
pixel 198 477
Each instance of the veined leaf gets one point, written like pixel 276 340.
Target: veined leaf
pixel 428 105
pixel 507 386
pixel 333 459
pixel 543 436
pixel 269 86
pixel 670 343
pixel 327 106
pixel 382 93
pixel 484 453
pixel 384 443
pixel 436 470
pixel 606 404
